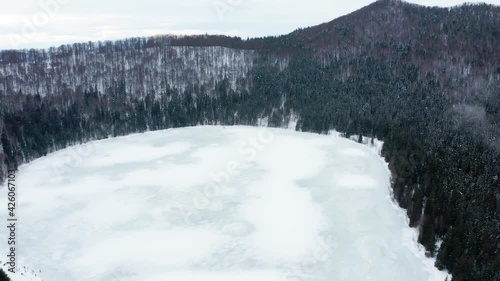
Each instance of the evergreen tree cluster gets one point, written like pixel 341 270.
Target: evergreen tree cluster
pixel 4 276
pixel 443 173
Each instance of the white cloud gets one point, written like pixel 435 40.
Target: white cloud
pixel 44 23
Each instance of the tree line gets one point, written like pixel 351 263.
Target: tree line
pixel 443 173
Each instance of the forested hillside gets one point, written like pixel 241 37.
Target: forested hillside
pixel 425 80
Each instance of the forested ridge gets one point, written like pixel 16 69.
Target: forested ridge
pixel 424 80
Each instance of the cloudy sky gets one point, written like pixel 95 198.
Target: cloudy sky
pixel 45 23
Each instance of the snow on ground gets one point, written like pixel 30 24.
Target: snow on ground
pixel 214 203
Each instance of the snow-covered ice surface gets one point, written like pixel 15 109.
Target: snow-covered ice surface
pixel 214 203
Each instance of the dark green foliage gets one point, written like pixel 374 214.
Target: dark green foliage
pixel 443 174
pixel 6 146
pixel 3 275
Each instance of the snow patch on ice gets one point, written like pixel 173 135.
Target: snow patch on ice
pixel 296 207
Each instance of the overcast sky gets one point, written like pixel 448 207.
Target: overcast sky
pixel 45 23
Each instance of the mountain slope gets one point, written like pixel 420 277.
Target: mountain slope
pixel 460 44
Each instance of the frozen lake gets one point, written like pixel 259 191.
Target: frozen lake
pixel 213 203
